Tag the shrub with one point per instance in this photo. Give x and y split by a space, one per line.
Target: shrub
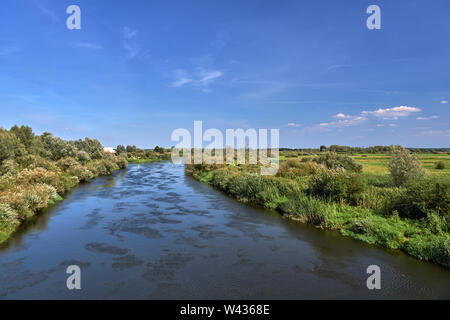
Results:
7 214
37 175
422 197
293 168
337 185
404 166
333 160
431 248
440 165
306 209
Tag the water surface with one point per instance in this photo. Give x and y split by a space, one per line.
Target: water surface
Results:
150 232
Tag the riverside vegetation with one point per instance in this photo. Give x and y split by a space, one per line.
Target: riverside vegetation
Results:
37 170
385 199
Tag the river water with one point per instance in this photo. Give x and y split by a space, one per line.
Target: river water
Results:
150 232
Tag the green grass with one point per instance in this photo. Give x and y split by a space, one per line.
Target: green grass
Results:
372 220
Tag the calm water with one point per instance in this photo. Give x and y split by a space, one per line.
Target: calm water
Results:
152 233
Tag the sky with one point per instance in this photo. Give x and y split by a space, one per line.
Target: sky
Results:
137 70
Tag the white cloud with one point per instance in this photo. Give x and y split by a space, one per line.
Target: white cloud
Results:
87 45
209 76
392 113
201 79
437 133
380 125
342 116
353 120
129 33
180 78
131 49
293 124
428 118
444 101
49 13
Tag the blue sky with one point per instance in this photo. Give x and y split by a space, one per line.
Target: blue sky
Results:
137 70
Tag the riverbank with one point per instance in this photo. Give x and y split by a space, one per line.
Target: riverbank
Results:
37 170
11 220
417 238
150 232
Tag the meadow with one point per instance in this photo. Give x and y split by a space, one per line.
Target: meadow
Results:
397 200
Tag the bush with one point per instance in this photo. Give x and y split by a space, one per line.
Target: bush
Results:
306 209
430 248
294 168
337 185
422 197
333 160
7 214
404 166
440 165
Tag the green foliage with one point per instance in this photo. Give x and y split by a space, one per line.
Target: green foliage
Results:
404 166
333 160
35 170
422 197
413 217
337 185
24 134
440 165
10 146
430 248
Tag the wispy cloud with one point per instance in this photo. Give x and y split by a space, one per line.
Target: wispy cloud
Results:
293 124
49 13
132 50
7 50
445 133
428 118
200 78
87 45
347 122
392 113
342 116
444 101
129 33
131 46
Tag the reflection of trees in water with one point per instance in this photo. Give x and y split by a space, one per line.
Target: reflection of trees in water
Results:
40 221
36 223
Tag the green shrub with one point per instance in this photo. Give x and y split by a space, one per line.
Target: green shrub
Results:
337 185
430 248
404 166
7 214
440 165
333 160
422 197
306 209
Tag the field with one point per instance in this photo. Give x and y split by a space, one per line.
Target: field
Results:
375 166
353 193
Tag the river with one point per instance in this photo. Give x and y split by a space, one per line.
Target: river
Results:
150 232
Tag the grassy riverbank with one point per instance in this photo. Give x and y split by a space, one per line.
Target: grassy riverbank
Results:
36 171
358 203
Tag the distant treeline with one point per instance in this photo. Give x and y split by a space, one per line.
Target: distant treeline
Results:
374 149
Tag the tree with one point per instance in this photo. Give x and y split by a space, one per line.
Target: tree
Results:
25 135
120 149
10 146
158 149
404 166
323 148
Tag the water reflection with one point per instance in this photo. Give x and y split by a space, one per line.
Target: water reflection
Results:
152 232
